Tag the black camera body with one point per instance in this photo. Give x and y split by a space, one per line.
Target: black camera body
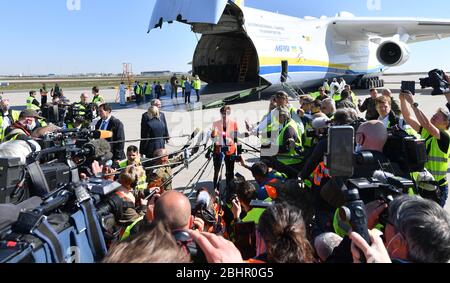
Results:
341 160
354 213
185 241
405 150
68 226
437 80
55 113
81 116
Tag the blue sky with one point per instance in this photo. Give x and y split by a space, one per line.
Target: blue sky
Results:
41 37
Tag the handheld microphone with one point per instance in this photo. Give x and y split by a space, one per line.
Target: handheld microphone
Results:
195 133
203 199
186 157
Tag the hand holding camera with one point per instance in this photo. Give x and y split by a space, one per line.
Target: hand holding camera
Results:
216 249
406 95
236 209
375 253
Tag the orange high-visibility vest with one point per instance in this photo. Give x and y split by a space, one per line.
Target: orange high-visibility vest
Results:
319 173
231 129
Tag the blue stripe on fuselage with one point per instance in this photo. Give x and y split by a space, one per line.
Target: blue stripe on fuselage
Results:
267 70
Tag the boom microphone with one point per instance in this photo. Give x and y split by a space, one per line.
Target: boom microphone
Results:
321 123
203 199
98 149
195 133
382 176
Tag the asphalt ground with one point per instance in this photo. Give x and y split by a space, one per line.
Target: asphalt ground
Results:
182 122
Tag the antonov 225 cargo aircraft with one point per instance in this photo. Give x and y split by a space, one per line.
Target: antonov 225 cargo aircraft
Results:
244 50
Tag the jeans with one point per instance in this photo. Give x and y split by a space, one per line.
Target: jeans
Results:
187 97
197 91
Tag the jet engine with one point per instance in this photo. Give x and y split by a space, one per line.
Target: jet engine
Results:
393 53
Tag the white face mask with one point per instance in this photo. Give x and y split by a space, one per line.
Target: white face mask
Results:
358 147
391 253
109 163
31 126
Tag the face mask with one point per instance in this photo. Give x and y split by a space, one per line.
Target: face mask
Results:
109 163
31 126
391 254
358 148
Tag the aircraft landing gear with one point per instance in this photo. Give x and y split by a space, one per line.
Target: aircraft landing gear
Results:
368 83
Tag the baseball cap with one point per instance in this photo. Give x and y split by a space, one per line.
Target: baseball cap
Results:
446 112
283 110
30 113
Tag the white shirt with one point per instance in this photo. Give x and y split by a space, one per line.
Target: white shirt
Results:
342 85
385 121
332 86
401 123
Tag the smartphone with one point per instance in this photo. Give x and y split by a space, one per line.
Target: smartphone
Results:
409 85
339 159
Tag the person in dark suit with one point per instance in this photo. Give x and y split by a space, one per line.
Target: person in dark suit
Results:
152 127
110 123
162 117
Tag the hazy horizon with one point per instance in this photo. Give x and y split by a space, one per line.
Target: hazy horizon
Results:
97 36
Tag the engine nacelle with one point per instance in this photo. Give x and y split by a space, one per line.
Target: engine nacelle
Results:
393 53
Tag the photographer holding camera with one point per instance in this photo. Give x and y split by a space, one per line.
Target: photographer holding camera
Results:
23 128
82 113
417 231
436 134
7 116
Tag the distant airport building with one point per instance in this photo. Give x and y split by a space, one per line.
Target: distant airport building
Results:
156 74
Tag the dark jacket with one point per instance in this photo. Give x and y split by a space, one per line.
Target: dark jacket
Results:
369 106
162 117
345 103
152 128
115 126
395 107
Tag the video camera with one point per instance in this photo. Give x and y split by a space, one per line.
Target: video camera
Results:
437 80
26 172
55 114
67 225
407 151
80 114
340 161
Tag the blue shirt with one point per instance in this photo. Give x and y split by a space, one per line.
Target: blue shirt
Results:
104 124
187 86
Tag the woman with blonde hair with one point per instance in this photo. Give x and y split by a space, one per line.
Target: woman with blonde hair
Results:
152 128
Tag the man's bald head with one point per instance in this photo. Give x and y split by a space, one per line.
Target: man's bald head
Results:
174 209
386 92
372 135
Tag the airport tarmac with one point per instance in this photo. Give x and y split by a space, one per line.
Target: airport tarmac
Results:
181 122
